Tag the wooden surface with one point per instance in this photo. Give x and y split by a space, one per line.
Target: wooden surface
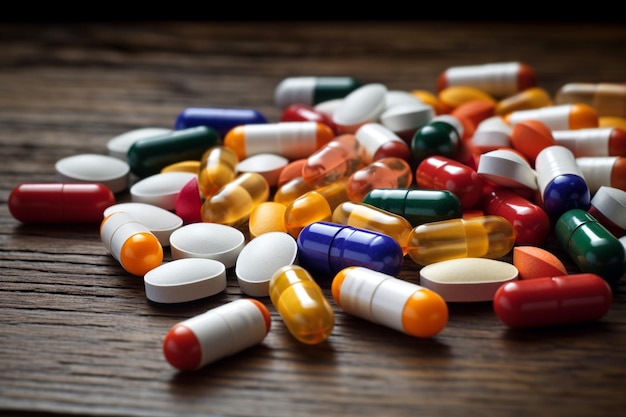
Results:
77 334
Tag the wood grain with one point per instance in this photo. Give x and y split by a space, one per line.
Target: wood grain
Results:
77 334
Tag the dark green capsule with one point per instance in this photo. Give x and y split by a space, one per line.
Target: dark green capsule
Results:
439 137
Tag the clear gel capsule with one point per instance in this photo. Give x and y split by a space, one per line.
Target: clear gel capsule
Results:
339 158
293 189
389 301
301 303
216 334
487 236
221 120
313 90
218 167
391 172
608 99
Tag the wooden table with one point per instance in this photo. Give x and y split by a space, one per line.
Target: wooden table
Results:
77 334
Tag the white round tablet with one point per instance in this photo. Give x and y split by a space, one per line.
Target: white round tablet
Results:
261 258
207 240
507 168
159 221
363 105
105 169
160 189
467 279
184 280
267 164
407 116
119 145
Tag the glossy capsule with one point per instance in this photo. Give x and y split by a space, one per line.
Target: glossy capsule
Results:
131 243
608 99
391 172
590 245
381 142
218 167
609 171
530 98
608 207
293 189
148 156
389 301
306 113
339 158
301 304
219 119
487 236
441 136
598 141
312 90
59 202
498 79
552 301
558 117
216 334
232 204
325 248
293 140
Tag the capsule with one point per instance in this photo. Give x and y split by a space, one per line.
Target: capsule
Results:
325 248
293 189
442 173
590 245
603 170
216 334
441 137
60 203
560 181
148 156
218 167
608 207
452 97
598 141
417 206
381 142
530 222
313 90
405 118
531 98
131 243
497 79
553 301
558 117
267 216
219 119
301 304
608 99
366 216
306 113
391 172
487 236
491 134
389 301
339 158
232 204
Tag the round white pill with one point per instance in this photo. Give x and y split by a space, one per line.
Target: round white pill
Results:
159 221
160 189
407 116
507 168
118 146
105 169
261 258
467 279
363 105
267 164
207 240
184 280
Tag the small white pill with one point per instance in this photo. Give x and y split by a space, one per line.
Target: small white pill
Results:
207 240
105 169
507 168
363 105
159 221
267 164
118 146
160 189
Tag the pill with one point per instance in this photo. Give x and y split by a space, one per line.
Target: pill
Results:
150 155
301 304
487 236
183 166
608 99
553 301
325 248
530 137
304 113
498 79
159 221
328 108
131 243
608 207
363 105
219 119
118 146
405 118
188 202
381 142
60 203
267 216
530 98
590 245
507 168
108 170
184 280
474 111
467 279
218 167
535 262
260 258
609 171
160 189
598 141
312 90
400 97
612 121
560 181
558 117
452 97
292 170
390 172
296 187
441 136
415 205
491 134
266 164
389 301
207 240
216 334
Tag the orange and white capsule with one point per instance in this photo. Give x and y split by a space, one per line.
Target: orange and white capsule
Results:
603 170
218 333
558 117
390 301
293 140
596 141
608 99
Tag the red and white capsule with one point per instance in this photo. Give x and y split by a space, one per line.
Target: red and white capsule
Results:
599 141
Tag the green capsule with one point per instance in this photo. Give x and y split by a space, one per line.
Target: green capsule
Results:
441 136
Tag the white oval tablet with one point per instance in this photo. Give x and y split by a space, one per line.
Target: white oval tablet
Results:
105 169
159 221
467 279
507 168
267 164
160 189
119 145
261 258
407 116
363 105
185 280
207 240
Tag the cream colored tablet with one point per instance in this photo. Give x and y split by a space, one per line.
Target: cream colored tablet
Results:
207 240
119 145
184 280
160 189
267 164
507 168
159 221
105 169
467 279
363 105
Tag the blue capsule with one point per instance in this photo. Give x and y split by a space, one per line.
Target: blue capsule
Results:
221 120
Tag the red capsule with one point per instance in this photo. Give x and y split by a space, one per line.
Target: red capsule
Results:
304 113
551 301
60 202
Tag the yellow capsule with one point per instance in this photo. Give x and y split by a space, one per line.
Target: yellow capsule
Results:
531 98
183 166
292 189
452 97
268 216
429 98
218 167
611 121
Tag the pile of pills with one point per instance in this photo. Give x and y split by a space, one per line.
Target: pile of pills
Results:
351 180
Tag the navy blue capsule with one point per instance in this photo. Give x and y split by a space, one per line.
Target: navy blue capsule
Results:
221 120
325 248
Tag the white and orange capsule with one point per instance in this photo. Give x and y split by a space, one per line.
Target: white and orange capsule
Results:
558 117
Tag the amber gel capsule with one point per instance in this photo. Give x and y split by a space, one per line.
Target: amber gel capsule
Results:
391 172
301 303
475 237
218 167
